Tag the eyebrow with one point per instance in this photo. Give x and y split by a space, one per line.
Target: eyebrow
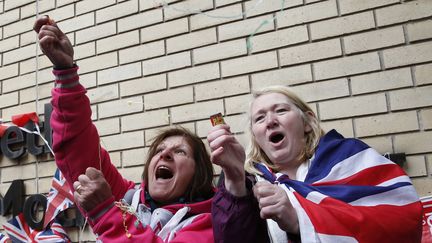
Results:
272 107
183 146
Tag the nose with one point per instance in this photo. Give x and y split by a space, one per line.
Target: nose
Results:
166 155
271 120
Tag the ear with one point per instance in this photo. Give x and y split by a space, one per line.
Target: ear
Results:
309 116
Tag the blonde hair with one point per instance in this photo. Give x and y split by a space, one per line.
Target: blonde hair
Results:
256 154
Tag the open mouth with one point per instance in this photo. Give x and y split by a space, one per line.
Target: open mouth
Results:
163 172
276 138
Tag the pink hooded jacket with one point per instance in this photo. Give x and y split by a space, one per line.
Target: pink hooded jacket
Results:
76 147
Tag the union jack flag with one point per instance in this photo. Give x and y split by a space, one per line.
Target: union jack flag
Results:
4 238
59 198
352 194
18 231
55 233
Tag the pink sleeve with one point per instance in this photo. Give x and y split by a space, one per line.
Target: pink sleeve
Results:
75 138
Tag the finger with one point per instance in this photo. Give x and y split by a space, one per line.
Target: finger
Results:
93 173
265 185
269 201
83 179
218 131
263 189
53 29
46 45
215 155
224 140
46 37
44 20
75 185
268 212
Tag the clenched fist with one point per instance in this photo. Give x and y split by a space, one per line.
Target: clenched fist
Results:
91 189
54 43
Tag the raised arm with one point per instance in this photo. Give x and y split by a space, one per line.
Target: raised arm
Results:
229 154
75 139
235 211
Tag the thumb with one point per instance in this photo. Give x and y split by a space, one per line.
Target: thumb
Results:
40 22
93 173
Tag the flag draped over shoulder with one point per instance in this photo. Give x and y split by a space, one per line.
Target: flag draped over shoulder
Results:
352 194
59 197
4 238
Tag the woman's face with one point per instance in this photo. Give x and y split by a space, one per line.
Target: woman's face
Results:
278 129
171 169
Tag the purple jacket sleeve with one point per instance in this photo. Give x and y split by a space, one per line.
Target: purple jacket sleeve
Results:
237 219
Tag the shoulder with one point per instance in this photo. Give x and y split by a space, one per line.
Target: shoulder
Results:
333 141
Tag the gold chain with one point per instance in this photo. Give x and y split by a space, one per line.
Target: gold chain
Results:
126 209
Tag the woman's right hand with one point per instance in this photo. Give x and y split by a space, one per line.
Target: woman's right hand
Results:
229 154
54 43
91 189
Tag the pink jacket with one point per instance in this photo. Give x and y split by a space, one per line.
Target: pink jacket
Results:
76 147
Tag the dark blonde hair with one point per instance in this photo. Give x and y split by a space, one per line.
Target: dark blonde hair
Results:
201 186
256 154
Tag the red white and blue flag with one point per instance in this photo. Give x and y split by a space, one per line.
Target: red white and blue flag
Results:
60 197
18 231
4 238
55 233
352 194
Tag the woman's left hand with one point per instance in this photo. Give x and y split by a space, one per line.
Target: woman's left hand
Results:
91 189
274 204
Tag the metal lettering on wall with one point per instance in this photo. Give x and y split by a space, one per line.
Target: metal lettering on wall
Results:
14 200
14 144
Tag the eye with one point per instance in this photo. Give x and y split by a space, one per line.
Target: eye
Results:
180 151
258 119
158 150
281 110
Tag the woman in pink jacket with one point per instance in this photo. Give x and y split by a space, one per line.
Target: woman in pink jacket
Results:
173 202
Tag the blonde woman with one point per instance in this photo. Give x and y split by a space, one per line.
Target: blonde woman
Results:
303 185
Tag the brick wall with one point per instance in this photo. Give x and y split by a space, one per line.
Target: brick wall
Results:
364 66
